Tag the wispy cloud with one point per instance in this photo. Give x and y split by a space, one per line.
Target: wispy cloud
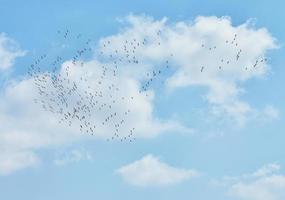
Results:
14 161
73 156
266 183
9 51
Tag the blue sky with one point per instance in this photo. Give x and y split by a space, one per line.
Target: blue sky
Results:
202 155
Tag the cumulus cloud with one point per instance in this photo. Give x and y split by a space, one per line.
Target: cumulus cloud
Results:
25 127
9 51
210 43
266 183
150 171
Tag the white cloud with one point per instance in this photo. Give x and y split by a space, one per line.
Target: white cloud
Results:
266 188
266 183
267 170
270 112
14 161
150 171
25 127
185 40
9 51
74 155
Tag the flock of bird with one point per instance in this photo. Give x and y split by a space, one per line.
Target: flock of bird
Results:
91 105
231 44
